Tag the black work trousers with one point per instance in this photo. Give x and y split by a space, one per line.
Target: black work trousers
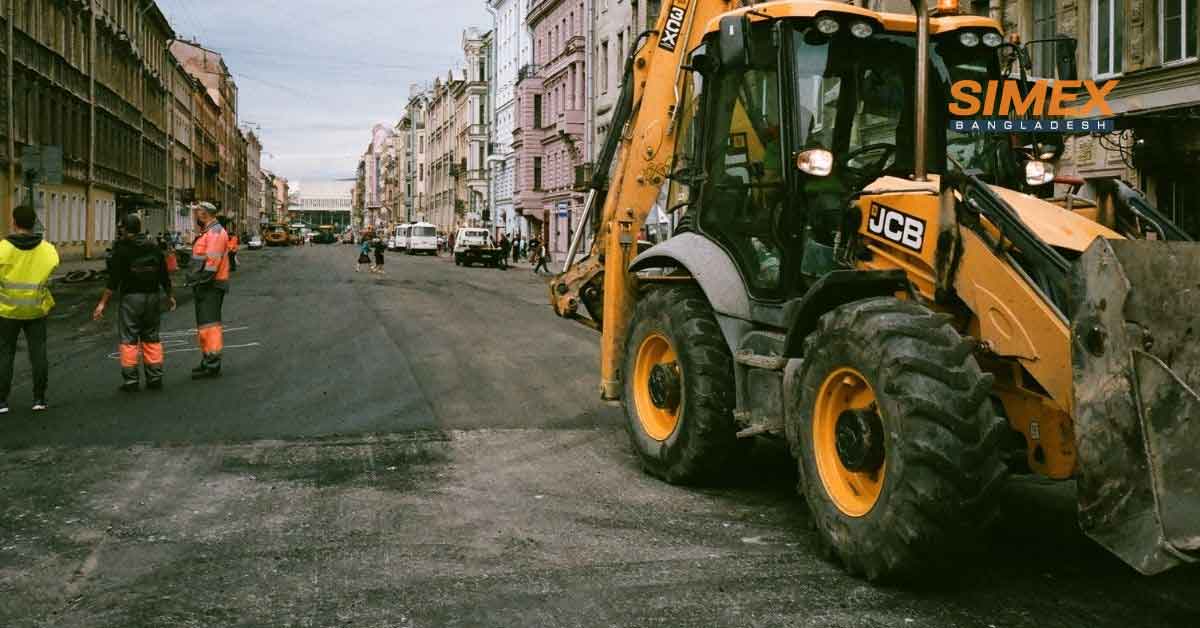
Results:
35 337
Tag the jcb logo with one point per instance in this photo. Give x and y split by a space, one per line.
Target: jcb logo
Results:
670 34
897 226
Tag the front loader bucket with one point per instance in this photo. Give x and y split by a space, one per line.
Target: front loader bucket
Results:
1136 353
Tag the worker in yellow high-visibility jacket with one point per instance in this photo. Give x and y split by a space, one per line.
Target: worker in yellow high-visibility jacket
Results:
26 262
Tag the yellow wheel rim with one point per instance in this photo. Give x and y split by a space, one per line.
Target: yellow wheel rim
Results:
853 490
657 411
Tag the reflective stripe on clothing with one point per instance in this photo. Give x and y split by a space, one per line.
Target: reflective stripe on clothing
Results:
15 285
209 252
211 338
129 355
152 352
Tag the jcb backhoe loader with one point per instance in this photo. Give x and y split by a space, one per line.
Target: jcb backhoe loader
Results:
851 274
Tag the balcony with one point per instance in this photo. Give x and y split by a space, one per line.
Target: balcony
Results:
527 71
477 129
570 122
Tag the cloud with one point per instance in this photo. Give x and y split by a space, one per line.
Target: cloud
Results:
316 75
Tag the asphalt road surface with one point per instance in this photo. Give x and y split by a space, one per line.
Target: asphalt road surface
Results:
427 448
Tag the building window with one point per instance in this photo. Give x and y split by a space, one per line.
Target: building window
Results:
1108 22
1044 27
1177 30
603 67
537 174
620 60
537 111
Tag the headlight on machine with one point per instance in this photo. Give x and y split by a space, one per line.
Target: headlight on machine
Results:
968 39
992 39
815 161
1038 172
827 25
862 29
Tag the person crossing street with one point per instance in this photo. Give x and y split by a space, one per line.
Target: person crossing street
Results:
26 262
209 279
138 272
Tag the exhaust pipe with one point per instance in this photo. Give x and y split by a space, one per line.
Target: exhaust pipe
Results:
921 109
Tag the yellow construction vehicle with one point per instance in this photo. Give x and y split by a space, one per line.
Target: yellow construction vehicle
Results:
276 234
854 276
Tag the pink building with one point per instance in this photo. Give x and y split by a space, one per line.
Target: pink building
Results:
549 126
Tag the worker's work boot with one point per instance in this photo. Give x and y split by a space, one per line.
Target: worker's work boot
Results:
129 386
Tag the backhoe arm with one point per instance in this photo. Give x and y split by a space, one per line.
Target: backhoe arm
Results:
647 120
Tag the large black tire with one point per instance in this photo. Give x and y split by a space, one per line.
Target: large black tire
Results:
704 439
941 462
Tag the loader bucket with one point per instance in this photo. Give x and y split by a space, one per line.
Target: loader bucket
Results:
1135 350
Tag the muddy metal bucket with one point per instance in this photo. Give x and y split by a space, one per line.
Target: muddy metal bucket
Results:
1136 357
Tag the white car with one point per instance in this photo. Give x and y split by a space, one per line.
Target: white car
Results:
422 238
255 243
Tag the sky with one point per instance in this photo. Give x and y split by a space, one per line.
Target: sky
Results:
314 76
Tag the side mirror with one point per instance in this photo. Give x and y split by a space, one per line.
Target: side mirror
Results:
733 44
1064 58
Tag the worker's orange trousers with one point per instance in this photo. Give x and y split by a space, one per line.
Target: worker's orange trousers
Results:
138 320
209 333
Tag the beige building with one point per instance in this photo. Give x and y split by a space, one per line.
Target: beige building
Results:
444 166
114 147
208 67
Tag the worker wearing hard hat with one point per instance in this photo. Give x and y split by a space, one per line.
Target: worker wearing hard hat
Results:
209 278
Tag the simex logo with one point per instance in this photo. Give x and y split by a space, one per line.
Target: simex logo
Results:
897 226
670 35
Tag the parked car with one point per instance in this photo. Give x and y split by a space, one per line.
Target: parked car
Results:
475 246
255 243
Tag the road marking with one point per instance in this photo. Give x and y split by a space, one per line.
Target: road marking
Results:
115 355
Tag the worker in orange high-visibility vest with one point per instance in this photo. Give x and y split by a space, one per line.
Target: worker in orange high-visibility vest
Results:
209 279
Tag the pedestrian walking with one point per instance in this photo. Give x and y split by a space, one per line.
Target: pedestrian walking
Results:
379 248
209 279
139 271
516 249
543 260
26 262
534 248
505 247
364 254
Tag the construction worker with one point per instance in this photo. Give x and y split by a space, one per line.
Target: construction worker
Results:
26 262
209 278
137 272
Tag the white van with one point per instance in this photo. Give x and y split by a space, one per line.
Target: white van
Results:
422 238
402 236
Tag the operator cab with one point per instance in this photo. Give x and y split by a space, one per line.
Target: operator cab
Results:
791 118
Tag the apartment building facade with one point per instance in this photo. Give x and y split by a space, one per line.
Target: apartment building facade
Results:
511 52
548 135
